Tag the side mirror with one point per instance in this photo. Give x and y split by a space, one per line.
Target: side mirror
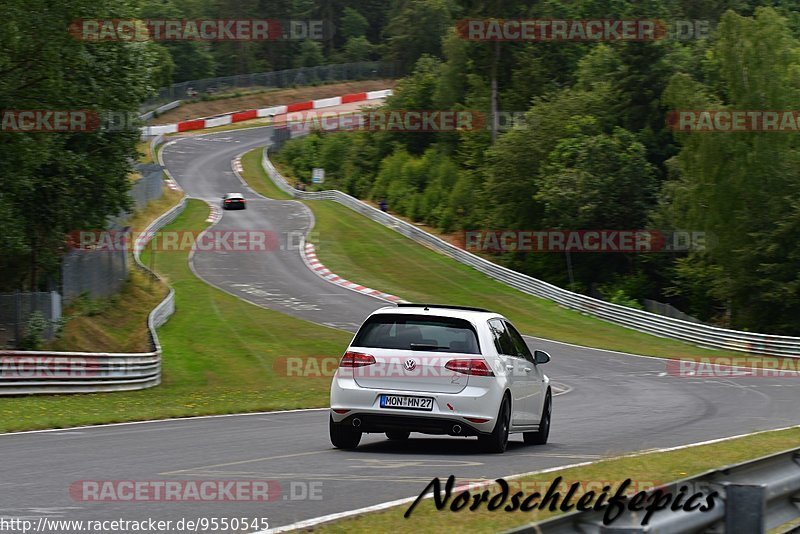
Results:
540 357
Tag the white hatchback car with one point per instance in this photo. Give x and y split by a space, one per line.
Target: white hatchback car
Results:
447 370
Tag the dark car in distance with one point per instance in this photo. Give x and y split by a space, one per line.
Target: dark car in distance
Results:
234 201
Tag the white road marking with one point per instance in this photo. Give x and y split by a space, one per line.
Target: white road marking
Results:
378 463
150 421
264 459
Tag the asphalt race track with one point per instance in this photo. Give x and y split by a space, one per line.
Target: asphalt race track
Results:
278 279
617 403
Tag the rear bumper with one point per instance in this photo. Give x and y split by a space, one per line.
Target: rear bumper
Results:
480 399
376 423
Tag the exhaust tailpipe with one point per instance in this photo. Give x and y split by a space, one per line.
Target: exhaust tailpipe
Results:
356 422
456 429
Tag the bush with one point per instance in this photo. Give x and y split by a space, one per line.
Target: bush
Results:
623 299
34 331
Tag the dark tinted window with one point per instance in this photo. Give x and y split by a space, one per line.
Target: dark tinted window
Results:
418 332
519 343
502 341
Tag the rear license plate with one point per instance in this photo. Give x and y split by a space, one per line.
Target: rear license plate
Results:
407 403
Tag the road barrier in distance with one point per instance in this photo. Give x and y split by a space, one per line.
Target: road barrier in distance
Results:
246 115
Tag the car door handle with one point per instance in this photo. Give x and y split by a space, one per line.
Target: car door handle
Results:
528 369
509 367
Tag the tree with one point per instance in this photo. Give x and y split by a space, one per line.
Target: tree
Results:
593 180
514 164
189 60
356 49
416 28
415 92
310 54
76 180
353 24
741 188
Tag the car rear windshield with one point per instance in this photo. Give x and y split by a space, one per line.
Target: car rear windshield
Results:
418 332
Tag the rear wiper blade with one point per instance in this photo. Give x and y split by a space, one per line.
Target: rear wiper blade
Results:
423 346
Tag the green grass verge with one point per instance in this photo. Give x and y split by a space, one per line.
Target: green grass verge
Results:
257 178
370 254
221 355
143 149
113 324
645 470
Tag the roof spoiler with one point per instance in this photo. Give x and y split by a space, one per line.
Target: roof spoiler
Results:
445 306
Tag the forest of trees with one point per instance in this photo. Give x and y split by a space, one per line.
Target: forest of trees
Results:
355 30
53 183
595 151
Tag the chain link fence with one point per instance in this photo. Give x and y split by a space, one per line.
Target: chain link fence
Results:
279 138
149 186
363 70
668 310
16 310
97 272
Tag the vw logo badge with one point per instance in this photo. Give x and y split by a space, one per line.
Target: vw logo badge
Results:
410 365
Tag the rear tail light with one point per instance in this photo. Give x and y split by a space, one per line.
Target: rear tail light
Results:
356 359
227 202
476 367
476 419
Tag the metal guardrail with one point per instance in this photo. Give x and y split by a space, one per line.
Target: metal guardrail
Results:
159 110
697 334
43 372
753 497
361 70
154 142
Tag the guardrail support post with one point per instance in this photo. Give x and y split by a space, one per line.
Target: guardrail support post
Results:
745 508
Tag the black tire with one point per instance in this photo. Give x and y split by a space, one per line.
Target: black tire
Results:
497 441
343 436
540 436
398 435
